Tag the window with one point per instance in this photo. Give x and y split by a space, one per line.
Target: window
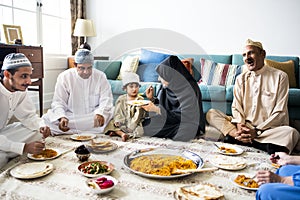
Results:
43 22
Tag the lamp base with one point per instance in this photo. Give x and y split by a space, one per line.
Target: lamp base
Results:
85 46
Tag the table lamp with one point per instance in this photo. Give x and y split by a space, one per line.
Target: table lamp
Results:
84 28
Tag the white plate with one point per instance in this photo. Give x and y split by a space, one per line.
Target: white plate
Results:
138 102
198 191
31 156
32 170
83 136
97 189
228 162
151 151
110 168
241 186
238 150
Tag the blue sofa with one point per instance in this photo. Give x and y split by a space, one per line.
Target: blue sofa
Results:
219 97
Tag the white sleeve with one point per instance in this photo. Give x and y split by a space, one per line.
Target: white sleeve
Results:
10 146
105 107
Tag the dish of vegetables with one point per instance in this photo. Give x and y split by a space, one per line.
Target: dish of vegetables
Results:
95 168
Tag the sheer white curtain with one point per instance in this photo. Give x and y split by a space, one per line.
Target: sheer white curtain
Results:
43 22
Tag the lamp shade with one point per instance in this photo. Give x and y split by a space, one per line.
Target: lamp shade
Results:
84 28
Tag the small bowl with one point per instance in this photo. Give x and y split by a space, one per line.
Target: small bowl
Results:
82 153
83 157
95 188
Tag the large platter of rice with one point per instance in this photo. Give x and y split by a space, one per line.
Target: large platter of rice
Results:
160 162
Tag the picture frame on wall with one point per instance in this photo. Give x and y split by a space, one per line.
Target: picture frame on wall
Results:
13 34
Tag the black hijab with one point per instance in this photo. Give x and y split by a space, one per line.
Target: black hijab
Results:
181 100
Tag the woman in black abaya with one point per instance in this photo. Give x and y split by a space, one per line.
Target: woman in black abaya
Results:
178 113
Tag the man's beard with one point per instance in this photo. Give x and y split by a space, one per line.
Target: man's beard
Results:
16 89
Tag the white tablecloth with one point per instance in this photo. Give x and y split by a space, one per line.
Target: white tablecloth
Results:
65 182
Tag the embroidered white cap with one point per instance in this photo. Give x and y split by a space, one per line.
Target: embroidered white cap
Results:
130 77
15 60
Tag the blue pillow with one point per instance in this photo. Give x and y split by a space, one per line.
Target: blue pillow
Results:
147 72
148 62
148 56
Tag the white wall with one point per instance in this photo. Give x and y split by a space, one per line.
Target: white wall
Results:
54 64
216 26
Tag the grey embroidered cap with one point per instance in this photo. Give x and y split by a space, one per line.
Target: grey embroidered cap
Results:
83 56
15 60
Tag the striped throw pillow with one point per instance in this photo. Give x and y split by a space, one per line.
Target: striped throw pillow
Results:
213 73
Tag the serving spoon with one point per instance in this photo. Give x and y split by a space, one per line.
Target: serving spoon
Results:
186 171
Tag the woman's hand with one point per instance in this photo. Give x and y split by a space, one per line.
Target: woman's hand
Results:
149 92
151 107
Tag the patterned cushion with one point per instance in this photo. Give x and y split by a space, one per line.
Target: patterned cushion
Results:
129 64
213 73
287 67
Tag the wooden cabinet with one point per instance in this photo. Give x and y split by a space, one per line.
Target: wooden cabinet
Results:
35 55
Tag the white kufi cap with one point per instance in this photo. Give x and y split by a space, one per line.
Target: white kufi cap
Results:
130 77
15 60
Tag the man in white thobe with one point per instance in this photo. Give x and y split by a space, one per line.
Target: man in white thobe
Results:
82 99
259 108
19 137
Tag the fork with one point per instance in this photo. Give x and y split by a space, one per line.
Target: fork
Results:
224 151
250 179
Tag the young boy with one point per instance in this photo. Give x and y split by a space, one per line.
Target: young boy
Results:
127 121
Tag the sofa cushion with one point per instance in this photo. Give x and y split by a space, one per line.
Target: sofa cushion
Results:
188 63
147 72
213 73
212 92
148 56
129 64
148 62
110 68
287 67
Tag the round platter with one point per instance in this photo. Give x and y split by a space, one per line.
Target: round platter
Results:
138 102
228 162
161 151
92 175
42 157
95 146
228 148
241 186
83 136
32 170
198 191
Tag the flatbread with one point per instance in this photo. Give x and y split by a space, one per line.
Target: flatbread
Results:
228 162
198 192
